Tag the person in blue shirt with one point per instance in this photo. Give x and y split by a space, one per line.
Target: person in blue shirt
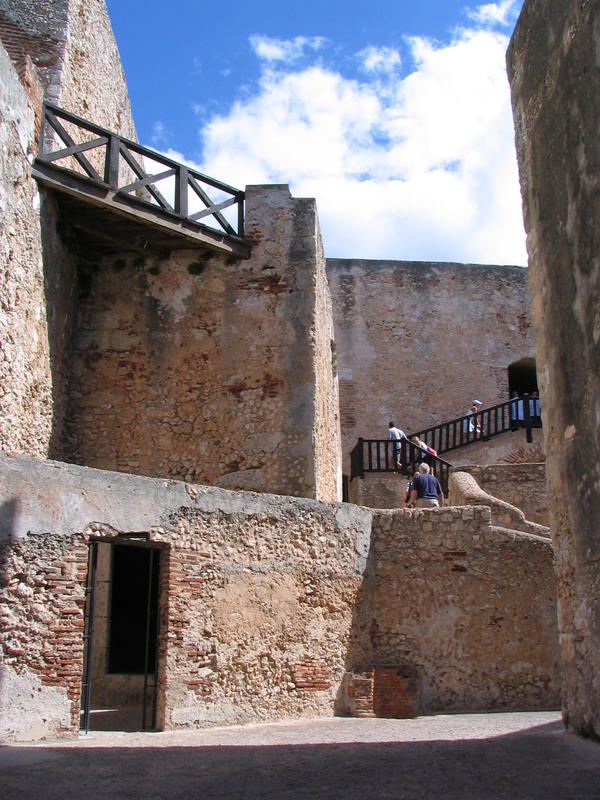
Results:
426 489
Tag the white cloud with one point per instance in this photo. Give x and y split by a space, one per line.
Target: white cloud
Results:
503 13
160 134
420 167
287 50
379 59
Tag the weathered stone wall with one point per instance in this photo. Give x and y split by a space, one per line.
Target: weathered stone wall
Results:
456 600
553 65
328 441
379 490
25 382
417 342
464 490
522 485
268 602
200 368
72 46
510 447
74 53
41 630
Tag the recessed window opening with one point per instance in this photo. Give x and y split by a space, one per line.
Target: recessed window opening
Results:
133 610
522 377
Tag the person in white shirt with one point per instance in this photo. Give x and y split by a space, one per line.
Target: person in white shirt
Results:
396 434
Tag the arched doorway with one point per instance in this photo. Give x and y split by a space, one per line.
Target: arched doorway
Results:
522 377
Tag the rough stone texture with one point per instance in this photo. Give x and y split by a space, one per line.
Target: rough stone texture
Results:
457 599
379 490
267 602
554 67
25 384
199 368
328 440
465 491
416 342
522 485
511 447
72 45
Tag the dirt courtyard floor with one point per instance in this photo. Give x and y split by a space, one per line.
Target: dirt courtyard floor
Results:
466 756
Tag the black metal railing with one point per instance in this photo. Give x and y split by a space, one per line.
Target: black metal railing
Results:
133 173
395 455
510 415
402 455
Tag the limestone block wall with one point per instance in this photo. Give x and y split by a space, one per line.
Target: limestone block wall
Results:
267 603
192 366
25 379
522 485
553 61
417 342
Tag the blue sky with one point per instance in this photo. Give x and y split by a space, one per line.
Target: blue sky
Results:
395 115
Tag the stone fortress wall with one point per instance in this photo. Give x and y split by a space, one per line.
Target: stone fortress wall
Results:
63 50
74 326
417 342
553 63
269 604
210 369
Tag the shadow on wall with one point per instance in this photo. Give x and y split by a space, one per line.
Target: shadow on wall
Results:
454 615
533 762
60 289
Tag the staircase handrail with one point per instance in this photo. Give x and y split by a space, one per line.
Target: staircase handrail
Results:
493 420
383 455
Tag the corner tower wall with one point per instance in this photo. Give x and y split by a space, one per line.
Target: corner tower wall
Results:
62 50
194 366
554 69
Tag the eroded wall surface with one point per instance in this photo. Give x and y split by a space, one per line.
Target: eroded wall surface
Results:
417 342
25 380
554 65
209 369
64 51
72 46
267 602
457 598
522 485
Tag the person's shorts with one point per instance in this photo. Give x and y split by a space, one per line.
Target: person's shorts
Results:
427 502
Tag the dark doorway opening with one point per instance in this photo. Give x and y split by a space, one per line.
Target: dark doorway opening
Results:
133 610
522 377
121 633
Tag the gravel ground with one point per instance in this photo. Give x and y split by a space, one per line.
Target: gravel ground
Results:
466 756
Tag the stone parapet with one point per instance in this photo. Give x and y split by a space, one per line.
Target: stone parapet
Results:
521 484
465 490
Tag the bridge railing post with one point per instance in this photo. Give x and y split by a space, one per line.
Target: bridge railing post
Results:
111 161
181 191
